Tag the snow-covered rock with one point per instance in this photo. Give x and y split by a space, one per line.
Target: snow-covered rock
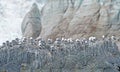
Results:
31 25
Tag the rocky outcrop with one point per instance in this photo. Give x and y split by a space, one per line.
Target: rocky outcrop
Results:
60 56
31 25
80 18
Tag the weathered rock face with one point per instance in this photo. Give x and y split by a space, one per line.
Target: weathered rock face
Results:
78 18
31 25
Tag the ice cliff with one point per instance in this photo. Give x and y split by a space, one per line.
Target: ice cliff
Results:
77 18
80 18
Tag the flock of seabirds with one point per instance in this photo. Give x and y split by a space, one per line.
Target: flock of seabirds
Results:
55 52
59 41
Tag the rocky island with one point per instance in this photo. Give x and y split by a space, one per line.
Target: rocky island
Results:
66 36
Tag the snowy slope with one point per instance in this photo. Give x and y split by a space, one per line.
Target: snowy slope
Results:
11 15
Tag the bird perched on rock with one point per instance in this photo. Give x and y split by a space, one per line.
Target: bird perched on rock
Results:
7 43
57 42
70 40
14 42
49 41
113 37
11 44
42 44
77 41
32 42
3 45
103 37
92 39
24 40
17 41
31 25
